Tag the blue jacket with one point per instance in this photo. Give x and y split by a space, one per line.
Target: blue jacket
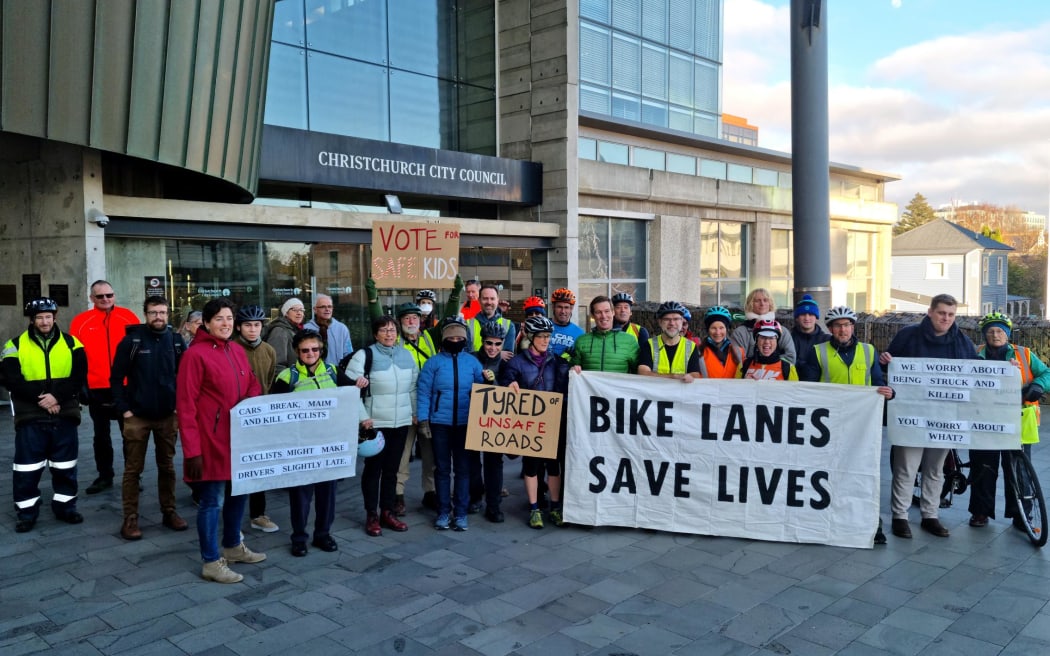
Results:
443 391
918 341
521 368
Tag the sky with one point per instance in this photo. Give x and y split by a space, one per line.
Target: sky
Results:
953 96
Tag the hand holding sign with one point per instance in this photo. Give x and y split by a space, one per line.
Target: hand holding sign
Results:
408 254
512 421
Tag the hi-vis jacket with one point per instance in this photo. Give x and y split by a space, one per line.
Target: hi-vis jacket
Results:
34 364
100 332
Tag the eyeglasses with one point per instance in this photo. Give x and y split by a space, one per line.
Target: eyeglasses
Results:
157 313
491 343
323 307
315 349
101 296
387 329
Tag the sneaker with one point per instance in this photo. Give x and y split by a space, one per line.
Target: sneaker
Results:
978 521
100 484
264 524
441 523
220 572
130 530
536 519
460 524
474 508
556 517
242 554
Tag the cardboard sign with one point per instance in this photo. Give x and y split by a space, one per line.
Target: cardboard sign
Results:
414 255
969 404
283 440
524 423
784 461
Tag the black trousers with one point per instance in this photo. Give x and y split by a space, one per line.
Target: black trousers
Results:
299 501
103 412
379 478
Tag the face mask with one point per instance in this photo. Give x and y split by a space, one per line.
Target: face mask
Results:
453 346
426 307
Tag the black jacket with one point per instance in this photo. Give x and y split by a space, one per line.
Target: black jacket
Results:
149 361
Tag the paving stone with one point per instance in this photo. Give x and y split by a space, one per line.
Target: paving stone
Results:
800 601
555 644
894 640
514 633
678 591
558 561
911 576
790 643
540 592
598 630
398 646
760 624
640 610
852 571
209 635
953 644
576 606
880 594
139 635
917 621
1038 628
1024 645
985 627
857 611
651 639
716 644
828 631
445 630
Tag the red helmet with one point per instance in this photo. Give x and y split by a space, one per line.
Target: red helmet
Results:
767 328
563 295
534 302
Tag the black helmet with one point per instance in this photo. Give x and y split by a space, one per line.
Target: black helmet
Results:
622 297
671 307
427 294
538 324
249 313
38 305
305 334
494 330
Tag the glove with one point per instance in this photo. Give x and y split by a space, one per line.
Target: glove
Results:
488 375
1032 392
457 284
423 430
370 288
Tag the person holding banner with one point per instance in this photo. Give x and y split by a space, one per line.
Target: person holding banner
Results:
391 406
936 336
757 307
214 375
536 368
1035 378
310 372
719 356
563 301
768 362
604 348
442 408
668 354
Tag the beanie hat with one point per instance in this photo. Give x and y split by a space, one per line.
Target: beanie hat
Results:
997 324
291 303
454 329
807 306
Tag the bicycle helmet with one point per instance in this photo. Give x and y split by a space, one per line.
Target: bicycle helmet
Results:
535 304
370 442
996 319
767 328
563 295
670 307
305 334
537 324
622 297
249 313
38 305
718 313
427 294
407 308
494 330
841 312
686 314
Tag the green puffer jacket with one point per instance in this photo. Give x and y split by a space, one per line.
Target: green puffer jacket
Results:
613 351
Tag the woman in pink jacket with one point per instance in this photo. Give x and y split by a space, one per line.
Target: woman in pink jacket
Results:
214 375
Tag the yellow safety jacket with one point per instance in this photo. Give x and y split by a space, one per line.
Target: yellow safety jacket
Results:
421 349
661 364
833 368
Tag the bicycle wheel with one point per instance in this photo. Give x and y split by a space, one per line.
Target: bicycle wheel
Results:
1028 495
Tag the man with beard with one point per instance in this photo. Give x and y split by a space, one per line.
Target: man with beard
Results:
668 355
565 334
489 315
334 332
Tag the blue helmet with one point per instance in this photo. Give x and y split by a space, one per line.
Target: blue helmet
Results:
370 442
718 313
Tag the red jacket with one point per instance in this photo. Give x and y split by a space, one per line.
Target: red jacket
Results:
214 375
100 332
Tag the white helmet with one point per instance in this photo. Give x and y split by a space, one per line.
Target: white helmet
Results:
841 312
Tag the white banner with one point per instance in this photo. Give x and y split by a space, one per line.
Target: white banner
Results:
282 440
968 404
784 461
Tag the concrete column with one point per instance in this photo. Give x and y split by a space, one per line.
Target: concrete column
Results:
673 276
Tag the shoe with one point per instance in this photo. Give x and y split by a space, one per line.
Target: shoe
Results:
399 505
130 529
327 543
72 517
900 528
372 527
504 492
441 523
220 572
495 516
174 522
556 517
474 508
242 554
299 549
264 524
430 501
460 524
933 525
978 521
536 519
25 525
99 484
390 520
880 537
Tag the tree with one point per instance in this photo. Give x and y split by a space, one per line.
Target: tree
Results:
915 214
1027 276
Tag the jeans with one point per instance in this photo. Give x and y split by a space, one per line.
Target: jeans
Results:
136 442
379 477
215 502
450 454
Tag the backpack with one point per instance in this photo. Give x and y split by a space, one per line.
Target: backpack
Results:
345 362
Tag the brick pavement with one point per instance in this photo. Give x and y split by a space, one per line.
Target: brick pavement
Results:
507 589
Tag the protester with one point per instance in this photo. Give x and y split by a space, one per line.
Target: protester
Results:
472 305
537 368
487 481
759 306
311 372
391 374
996 328
768 362
248 325
719 356
44 370
143 385
214 375
623 305
489 315
935 337
563 302
100 329
604 348
807 333
532 306
442 408
280 332
668 354
190 325
426 299
334 332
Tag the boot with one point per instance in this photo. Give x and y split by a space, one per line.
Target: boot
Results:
130 529
372 527
390 520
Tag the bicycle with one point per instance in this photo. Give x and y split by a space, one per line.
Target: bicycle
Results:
1023 490
955 481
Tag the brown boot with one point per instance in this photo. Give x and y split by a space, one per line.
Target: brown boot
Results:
390 520
372 527
130 529
174 522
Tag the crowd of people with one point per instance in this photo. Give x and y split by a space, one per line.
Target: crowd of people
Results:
415 380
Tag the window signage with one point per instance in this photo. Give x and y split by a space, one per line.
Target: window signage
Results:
329 160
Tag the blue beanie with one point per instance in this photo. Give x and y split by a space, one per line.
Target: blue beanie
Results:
807 306
997 324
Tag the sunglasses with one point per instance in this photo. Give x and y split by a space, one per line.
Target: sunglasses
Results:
316 349
104 295
491 343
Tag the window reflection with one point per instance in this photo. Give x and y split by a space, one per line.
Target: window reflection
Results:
286 87
347 27
332 109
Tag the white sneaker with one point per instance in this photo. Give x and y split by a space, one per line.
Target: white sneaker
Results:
265 524
242 554
220 572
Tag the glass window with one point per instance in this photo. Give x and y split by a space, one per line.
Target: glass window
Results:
627 244
594 54
286 87
626 63
626 107
999 269
654 20
680 80
705 125
859 273
708 28
705 87
613 153
984 270
594 248
420 110
588 148
784 180
416 42
350 29
654 71
723 258
781 267
765 177
654 113
627 15
935 270
596 9
288 24
712 169
739 173
613 257
363 114
593 99
680 119
681 164
681 31
647 158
